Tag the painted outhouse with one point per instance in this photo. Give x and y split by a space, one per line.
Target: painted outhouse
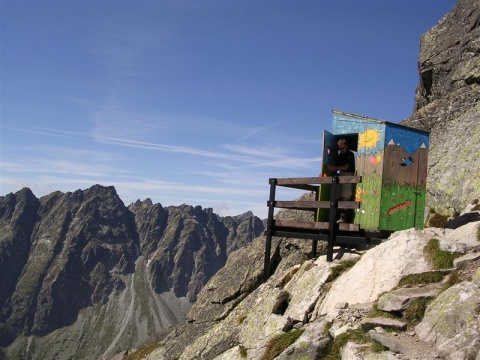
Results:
392 161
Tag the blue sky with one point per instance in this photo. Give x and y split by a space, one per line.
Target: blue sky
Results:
195 102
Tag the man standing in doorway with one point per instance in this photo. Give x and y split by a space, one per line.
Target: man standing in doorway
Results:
344 165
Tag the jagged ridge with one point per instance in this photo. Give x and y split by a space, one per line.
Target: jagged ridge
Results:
81 268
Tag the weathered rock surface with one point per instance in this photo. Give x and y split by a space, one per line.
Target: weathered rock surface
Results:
368 323
374 274
399 300
447 103
408 346
452 321
240 324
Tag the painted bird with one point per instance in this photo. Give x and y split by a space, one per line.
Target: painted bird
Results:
407 161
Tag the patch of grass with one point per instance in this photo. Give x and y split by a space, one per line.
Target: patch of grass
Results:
376 312
327 328
416 310
241 319
452 279
141 352
279 343
478 233
437 220
376 347
430 277
438 258
243 351
325 288
337 270
356 336
476 202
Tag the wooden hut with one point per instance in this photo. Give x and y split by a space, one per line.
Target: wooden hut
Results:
392 162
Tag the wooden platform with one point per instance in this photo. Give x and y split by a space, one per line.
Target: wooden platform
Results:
331 231
313 225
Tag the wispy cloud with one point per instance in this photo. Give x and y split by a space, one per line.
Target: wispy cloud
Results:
114 122
39 130
121 44
38 166
233 156
228 176
256 131
167 148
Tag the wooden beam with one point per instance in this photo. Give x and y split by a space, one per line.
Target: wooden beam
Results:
311 225
304 181
300 235
342 179
302 204
314 225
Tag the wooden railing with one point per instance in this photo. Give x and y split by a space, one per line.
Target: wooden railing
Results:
314 230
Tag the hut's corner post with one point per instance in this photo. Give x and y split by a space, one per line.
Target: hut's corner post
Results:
332 218
268 233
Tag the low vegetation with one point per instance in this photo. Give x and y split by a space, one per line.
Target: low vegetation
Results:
476 204
452 279
436 220
416 310
279 343
141 353
376 312
241 318
438 258
430 277
243 352
337 270
356 336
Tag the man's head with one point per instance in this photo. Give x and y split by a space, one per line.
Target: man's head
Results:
342 145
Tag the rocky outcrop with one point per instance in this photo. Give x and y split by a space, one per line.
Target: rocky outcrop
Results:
452 321
239 316
81 269
447 103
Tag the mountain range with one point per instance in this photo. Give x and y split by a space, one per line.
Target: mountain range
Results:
80 268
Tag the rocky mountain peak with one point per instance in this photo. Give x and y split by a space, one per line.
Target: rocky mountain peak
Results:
449 57
447 103
82 265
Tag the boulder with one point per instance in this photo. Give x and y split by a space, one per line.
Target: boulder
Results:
374 274
452 321
400 299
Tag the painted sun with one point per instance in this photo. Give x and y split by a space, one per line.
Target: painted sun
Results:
369 138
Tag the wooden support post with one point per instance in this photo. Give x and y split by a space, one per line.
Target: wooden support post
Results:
332 219
268 237
315 241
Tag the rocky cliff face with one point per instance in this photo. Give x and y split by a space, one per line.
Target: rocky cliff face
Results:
447 103
81 268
